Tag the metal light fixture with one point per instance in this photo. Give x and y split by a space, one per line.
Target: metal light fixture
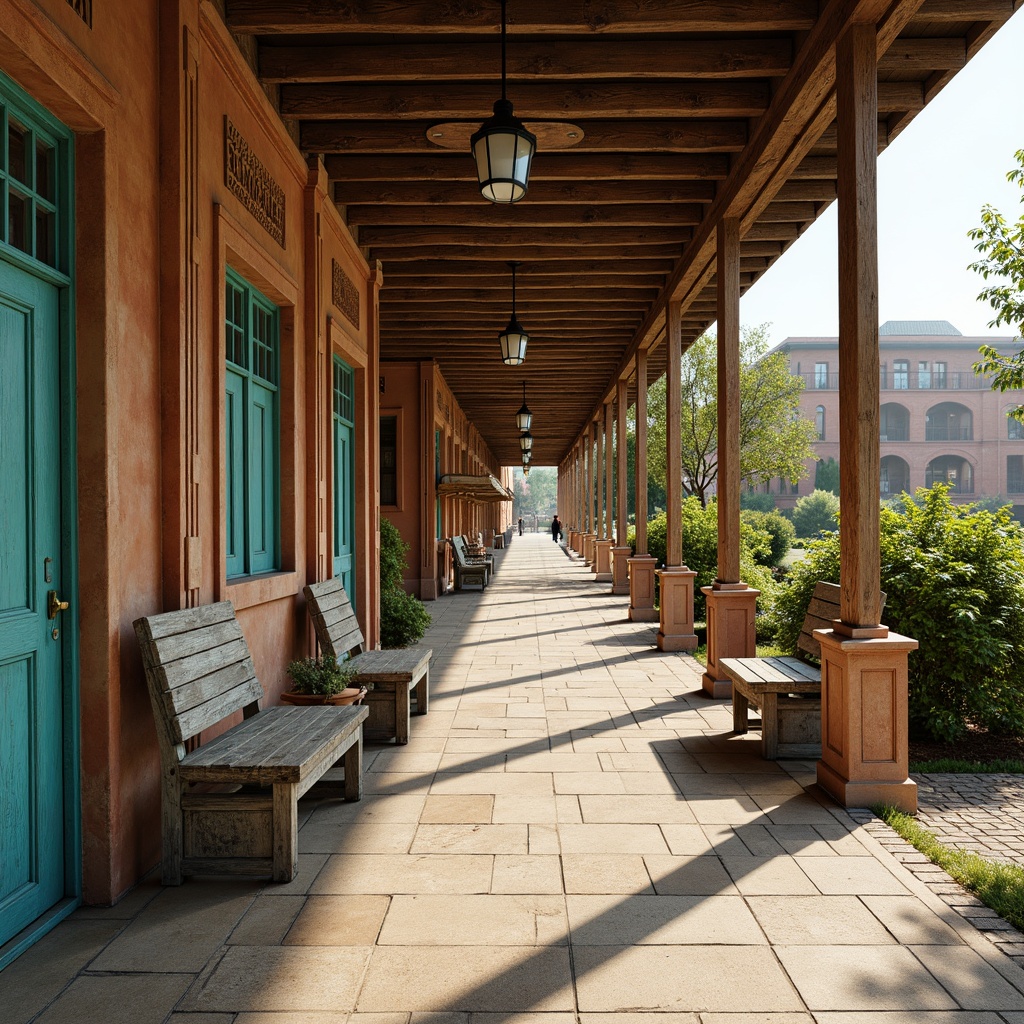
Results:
503 148
526 441
526 469
524 416
514 338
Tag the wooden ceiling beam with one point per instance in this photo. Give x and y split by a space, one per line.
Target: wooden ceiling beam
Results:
500 291
819 190
907 55
528 17
566 238
522 215
557 166
676 136
526 252
545 270
574 283
740 56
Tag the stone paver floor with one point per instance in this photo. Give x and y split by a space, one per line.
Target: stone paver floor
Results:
572 835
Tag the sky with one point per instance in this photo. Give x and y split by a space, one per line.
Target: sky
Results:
933 180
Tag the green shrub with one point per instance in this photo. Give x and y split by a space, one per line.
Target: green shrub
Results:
403 618
757 501
954 579
814 513
779 529
826 476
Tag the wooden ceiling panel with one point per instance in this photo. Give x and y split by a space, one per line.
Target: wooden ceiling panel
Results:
690 111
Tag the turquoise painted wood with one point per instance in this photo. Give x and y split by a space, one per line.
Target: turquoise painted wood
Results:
344 476
32 742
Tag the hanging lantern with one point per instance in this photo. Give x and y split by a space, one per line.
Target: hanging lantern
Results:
524 417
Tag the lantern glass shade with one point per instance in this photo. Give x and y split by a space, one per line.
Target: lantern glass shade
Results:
526 441
524 417
513 342
503 150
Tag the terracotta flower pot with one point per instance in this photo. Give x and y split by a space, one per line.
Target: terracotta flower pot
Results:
352 695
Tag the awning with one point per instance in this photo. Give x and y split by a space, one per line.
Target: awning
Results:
475 488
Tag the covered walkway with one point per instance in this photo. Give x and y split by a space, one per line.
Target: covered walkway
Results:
571 833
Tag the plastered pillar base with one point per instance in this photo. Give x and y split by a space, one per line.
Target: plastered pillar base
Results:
641 589
620 570
603 563
731 632
574 540
588 547
864 757
676 633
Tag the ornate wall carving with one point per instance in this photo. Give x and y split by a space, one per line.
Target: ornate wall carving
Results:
345 295
252 183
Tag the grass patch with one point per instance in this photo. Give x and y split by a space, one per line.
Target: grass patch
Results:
960 766
999 886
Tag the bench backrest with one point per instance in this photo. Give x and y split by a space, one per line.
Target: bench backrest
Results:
460 551
198 669
823 609
334 618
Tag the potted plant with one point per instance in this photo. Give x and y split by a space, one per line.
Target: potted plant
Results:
322 681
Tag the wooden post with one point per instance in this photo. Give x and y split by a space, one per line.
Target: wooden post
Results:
641 565
731 604
621 551
603 545
863 666
676 581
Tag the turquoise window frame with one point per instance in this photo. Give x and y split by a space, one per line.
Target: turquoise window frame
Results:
252 353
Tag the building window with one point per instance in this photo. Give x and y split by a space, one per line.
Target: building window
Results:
252 466
1014 429
1015 474
389 460
924 376
939 375
819 422
821 375
901 374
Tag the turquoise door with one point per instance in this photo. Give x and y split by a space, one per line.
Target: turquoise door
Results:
344 476
32 728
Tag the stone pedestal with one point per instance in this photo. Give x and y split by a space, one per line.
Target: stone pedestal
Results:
731 633
588 547
603 561
574 540
676 600
864 757
620 570
641 589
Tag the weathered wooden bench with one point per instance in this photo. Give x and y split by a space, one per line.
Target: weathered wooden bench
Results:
467 574
230 806
787 690
394 674
475 554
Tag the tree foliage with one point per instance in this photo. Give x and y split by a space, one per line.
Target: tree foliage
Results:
403 617
814 513
1001 245
826 476
774 440
954 580
536 494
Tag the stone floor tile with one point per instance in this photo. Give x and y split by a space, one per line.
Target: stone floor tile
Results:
768 876
212 1018
567 809
351 920
384 874
515 784
356 837
635 809
792 810
626 1017
702 785
858 876
689 876
971 980
403 760
814 920
500 979
862 978
544 839
396 783
687 840
267 921
282 978
605 873
910 921
588 782
914 1017
560 761
682 978
475 921
635 919
511 1018
323 1017
382 810
757 1018
730 810
445 809
527 873
612 839
524 809
463 838
459 763
117 999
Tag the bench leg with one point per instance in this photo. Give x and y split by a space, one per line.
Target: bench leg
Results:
770 726
286 830
401 713
173 829
739 710
354 769
423 694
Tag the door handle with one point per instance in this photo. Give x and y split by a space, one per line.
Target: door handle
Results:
54 605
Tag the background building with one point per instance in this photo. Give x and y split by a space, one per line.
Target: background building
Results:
938 421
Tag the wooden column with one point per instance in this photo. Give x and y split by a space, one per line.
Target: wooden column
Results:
605 544
641 565
599 527
863 666
621 550
676 581
592 534
731 604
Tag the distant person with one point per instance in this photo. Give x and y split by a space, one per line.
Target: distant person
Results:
556 529
520 526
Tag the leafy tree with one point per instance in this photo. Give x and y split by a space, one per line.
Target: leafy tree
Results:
1002 248
536 494
815 512
826 476
779 530
757 501
774 440
655 490
954 580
